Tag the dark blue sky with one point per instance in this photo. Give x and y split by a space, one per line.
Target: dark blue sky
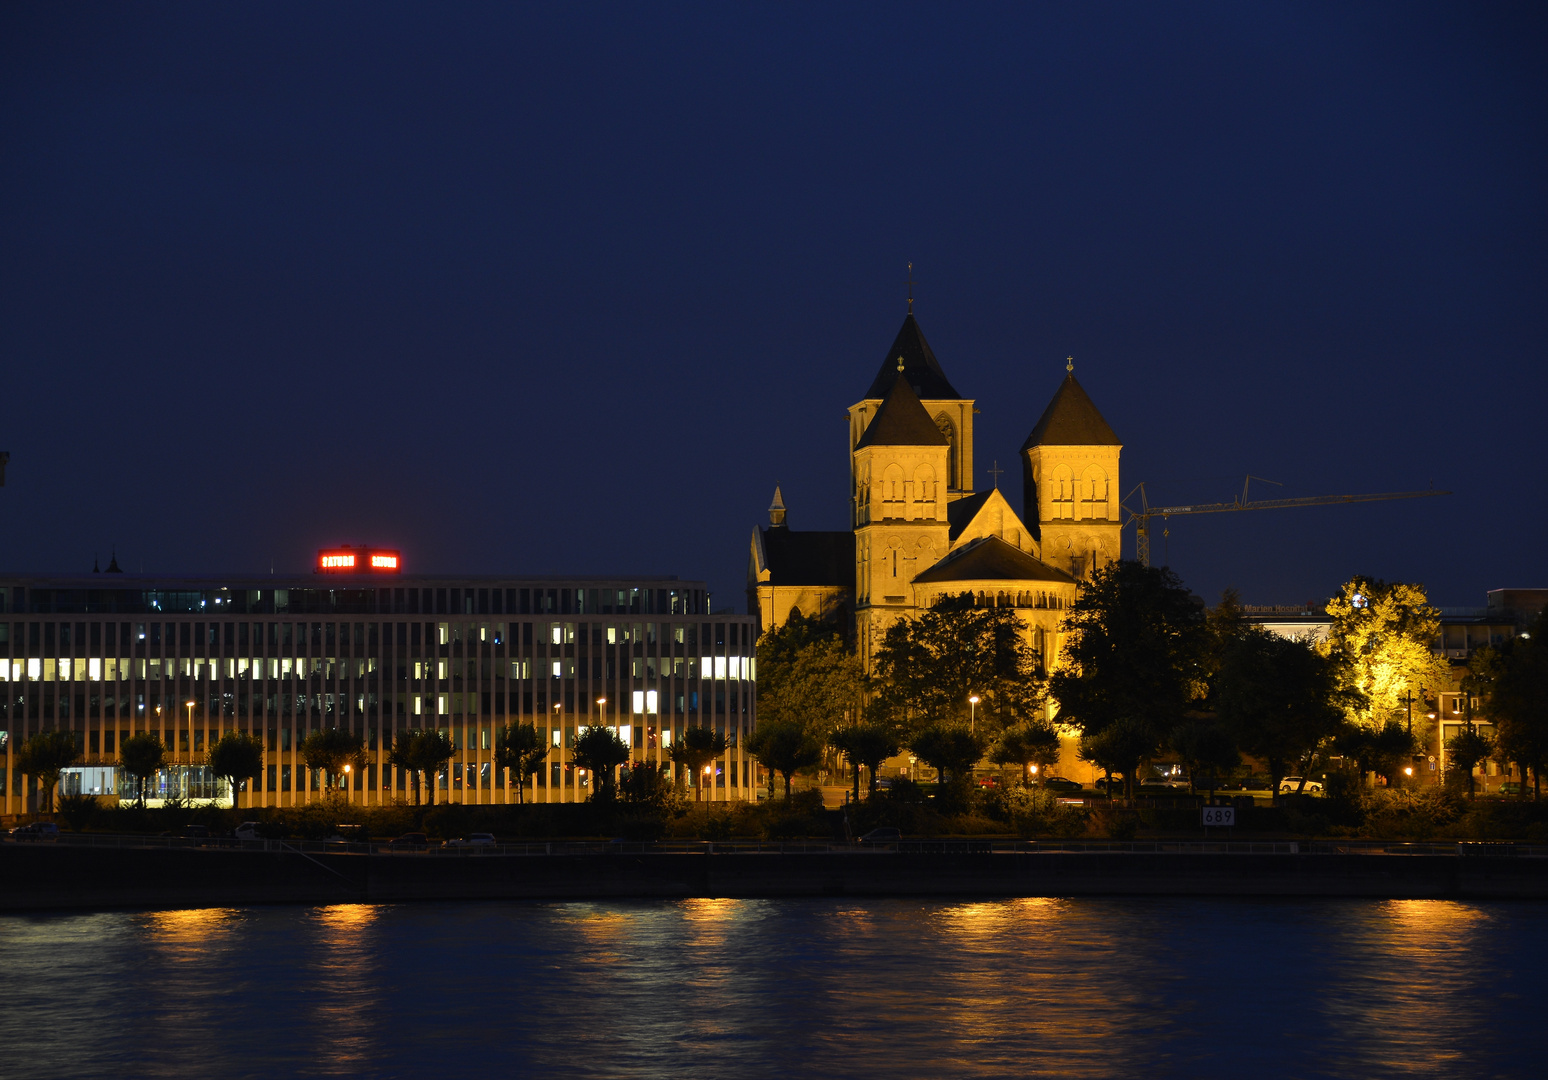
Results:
569 289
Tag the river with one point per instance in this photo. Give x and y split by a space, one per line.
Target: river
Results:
754 988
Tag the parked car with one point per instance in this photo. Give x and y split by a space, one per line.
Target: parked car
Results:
1059 783
248 830
195 832
884 835
1258 782
1513 787
349 834
1293 783
478 839
410 841
1103 783
38 830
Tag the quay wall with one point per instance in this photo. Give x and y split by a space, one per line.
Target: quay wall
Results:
40 877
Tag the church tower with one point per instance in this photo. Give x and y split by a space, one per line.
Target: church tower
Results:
949 411
1069 468
900 464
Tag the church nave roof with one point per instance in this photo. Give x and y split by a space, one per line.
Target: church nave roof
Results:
991 559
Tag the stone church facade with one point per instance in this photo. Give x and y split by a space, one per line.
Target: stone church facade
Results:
919 528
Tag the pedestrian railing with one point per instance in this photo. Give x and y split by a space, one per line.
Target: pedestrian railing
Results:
745 847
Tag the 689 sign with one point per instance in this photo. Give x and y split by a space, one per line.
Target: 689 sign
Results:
1223 816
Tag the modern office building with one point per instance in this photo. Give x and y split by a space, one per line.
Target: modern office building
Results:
357 645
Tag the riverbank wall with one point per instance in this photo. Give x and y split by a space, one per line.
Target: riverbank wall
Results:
43 877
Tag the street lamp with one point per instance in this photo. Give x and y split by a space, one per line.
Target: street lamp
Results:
346 782
190 706
972 715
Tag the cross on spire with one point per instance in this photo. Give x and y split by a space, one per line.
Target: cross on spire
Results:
995 472
1069 364
911 283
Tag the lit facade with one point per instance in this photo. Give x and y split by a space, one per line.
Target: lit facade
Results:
108 656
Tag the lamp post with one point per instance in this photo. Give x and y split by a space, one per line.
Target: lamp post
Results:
346 782
973 714
188 782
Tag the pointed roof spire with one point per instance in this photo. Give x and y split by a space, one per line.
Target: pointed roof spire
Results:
113 567
96 565
910 288
902 421
918 363
777 510
1071 419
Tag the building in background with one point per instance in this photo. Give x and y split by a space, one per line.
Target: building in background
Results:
1441 712
370 651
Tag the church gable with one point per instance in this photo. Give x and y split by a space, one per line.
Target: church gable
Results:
988 513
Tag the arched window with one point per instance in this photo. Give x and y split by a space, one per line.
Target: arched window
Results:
892 491
924 491
1094 493
1061 490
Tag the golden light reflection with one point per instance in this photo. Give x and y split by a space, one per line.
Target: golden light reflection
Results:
347 917
193 926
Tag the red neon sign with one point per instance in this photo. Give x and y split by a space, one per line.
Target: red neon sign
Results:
348 560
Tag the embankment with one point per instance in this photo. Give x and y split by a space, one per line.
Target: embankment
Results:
63 877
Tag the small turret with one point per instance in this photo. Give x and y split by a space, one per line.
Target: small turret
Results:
777 510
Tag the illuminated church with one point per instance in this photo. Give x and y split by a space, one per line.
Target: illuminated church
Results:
919 528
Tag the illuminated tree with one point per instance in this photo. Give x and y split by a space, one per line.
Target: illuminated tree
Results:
1382 640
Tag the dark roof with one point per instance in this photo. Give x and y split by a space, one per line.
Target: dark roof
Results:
961 512
902 421
991 559
1071 420
919 364
810 558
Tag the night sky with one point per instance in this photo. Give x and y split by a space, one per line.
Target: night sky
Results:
569 289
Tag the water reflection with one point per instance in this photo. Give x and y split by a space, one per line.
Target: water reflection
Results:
715 987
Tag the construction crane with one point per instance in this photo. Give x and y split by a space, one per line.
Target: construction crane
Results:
1142 516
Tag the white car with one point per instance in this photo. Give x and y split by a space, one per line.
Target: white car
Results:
1292 784
248 830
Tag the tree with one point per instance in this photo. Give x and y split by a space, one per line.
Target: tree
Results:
418 751
1135 660
1376 750
599 750
141 757
1466 749
1207 749
401 756
1520 702
330 750
1381 640
1279 699
1026 745
931 665
1119 748
520 748
784 747
867 744
43 757
695 750
646 785
432 750
238 756
951 749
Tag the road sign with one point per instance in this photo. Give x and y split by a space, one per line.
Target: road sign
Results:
1224 816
